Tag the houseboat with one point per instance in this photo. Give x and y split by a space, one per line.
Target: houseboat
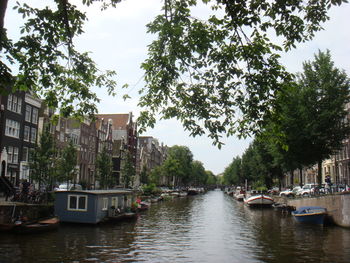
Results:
92 206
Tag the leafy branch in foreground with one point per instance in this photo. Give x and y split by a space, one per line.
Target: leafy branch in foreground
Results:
220 75
48 62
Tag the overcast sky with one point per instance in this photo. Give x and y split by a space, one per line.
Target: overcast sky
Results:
117 40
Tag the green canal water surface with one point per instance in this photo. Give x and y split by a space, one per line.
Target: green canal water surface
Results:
212 227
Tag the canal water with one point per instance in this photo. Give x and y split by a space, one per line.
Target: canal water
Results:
212 227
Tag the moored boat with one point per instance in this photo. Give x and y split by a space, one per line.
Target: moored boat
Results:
143 206
182 194
192 191
5 227
36 227
239 196
122 216
259 200
156 199
310 214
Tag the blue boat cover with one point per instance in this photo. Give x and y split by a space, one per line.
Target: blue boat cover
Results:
309 209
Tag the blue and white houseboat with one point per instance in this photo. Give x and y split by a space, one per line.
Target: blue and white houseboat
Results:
92 206
310 214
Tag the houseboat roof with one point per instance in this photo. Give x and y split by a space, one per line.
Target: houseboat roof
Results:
100 192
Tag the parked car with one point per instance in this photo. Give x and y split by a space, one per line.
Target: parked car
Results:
63 187
290 192
274 191
306 190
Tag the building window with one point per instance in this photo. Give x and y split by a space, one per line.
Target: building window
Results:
19 105
12 154
74 138
28 114
62 136
14 104
12 128
30 155
33 135
77 203
26 134
25 172
15 155
114 202
9 102
25 153
35 116
105 204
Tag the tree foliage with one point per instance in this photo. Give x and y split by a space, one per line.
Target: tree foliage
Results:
233 172
155 175
325 95
128 170
67 164
104 169
308 126
211 178
171 168
220 74
179 170
144 175
48 62
182 157
199 176
43 160
217 74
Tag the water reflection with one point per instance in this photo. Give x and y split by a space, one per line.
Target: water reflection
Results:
206 228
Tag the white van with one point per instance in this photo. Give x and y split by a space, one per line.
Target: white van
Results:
63 187
307 190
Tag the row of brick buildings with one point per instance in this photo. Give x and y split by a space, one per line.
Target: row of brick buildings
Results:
23 116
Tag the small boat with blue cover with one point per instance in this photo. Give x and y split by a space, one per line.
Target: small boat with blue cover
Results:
310 214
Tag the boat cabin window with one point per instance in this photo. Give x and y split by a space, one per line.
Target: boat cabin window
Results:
114 201
77 202
105 204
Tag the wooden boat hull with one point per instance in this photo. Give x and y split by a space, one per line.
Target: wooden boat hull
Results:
143 207
37 227
192 192
123 216
6 227
259 200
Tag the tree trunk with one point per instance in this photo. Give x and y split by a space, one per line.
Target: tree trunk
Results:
319 173
301 176
292 177
3 6
280 178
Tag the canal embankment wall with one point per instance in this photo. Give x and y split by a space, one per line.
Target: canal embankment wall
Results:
10 211
337 205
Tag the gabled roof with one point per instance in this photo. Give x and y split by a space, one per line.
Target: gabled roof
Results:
119 121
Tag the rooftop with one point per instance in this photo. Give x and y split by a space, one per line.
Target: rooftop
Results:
100 192
119 121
